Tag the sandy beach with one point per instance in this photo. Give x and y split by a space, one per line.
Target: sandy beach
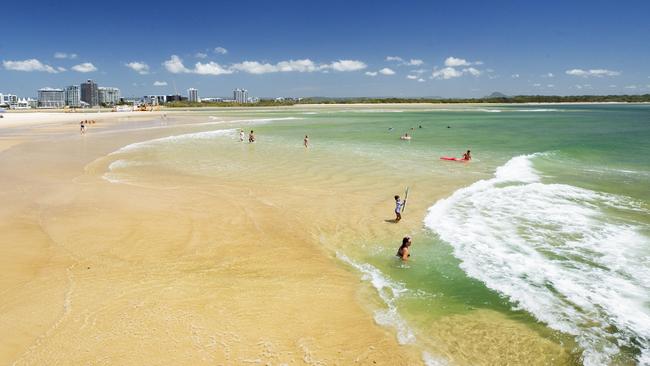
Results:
101 273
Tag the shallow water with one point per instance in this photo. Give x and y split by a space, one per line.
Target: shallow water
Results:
540 247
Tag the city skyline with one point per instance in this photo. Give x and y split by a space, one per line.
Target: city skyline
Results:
374 49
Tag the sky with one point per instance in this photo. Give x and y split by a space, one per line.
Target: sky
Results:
332 48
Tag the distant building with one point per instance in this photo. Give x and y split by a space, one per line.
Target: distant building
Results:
51 98
193 95
7 100
108 96
240 96
155 99
73 96
89 93
175 98
23 104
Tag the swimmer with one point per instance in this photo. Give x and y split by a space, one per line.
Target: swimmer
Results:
404 252
467 156
251 137
405 137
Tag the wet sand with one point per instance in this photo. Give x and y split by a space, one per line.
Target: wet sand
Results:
101 273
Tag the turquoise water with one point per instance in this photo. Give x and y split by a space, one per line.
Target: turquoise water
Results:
549 226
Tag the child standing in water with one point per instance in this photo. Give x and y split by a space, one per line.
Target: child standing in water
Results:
241 135
399 204
306 141
251 137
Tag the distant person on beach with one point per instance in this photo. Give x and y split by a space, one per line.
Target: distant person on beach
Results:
399 205
242 135
82 128
251 137
405 137
306 141
467 156
404 252
420 126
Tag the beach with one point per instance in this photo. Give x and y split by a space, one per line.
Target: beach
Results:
158 238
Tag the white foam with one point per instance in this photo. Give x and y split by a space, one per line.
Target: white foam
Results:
554 253
431 360
389 291
538 110
205 135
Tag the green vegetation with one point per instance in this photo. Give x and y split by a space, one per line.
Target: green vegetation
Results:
645 98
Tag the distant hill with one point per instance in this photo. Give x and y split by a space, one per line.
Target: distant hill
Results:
496 95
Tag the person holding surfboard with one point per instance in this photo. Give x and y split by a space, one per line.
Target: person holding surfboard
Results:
399 207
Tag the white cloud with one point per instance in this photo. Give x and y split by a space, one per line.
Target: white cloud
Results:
420 80
386 71
254 67
210 68
60 69
472 71
200 55
454 62
537 85
371 73
402 62
446 73
515 76
71 56
548 75
29 65
84 67
347 65
305 65
220 50
139 67
612 86
550 86
159 83
592 72
419 71
630 87
175 65
411 77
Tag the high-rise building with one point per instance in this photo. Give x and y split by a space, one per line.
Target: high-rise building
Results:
108 96
51 98
73 96
192 95
240 96
89 93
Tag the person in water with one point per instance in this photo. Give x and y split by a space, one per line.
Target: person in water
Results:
467 156
242 135
306 141
251 137
399 206
404 252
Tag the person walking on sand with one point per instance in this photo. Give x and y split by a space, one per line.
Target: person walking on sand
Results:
399 205
306 141
404 251
251 137
82 128
242 135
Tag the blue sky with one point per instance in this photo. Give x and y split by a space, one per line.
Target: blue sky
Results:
333 48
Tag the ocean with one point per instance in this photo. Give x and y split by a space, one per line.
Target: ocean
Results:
538 248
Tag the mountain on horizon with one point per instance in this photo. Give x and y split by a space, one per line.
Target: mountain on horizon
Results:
496 95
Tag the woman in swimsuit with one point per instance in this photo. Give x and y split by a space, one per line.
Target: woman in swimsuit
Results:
403 252
467 156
